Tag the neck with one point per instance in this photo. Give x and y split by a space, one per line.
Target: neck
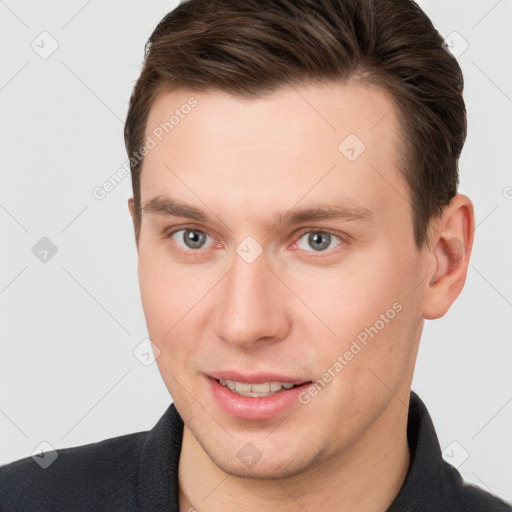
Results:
365 476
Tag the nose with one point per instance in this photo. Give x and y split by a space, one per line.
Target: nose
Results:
251 307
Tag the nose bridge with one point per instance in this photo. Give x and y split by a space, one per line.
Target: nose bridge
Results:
249 308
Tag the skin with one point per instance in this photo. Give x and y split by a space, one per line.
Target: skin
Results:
295 309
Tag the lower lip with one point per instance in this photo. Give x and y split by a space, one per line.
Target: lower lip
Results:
255 408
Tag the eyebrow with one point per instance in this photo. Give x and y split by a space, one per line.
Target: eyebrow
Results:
346 210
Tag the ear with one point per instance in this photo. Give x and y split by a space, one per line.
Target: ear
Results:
131 208
449 251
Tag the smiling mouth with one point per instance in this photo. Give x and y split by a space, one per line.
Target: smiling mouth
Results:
256 390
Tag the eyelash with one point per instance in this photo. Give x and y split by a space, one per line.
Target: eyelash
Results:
312 254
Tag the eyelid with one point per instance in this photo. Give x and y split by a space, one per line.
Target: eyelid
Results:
184 227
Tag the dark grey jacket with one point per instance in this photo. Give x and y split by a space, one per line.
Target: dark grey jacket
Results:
139 472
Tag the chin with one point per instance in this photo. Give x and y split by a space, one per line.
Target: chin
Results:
274 465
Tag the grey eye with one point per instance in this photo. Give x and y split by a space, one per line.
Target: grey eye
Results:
317 240
191 238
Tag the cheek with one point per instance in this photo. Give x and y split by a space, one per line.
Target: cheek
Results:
347 297
168 295
156 285
174 297
168 290
363 309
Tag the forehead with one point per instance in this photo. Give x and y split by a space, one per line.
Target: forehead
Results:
332 141
329 109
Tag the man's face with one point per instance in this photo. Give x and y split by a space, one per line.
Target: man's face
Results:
253 293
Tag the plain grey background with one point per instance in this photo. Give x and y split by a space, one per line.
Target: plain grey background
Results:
70 324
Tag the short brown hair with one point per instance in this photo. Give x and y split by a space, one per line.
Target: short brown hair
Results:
252 47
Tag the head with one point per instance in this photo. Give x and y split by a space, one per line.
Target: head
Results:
294 171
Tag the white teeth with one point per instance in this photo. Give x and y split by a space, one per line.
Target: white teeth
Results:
255 390
275 386
242 387
264 387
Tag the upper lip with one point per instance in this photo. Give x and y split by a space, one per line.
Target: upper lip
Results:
255 378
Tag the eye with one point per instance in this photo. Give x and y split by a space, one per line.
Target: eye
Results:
190 239
319 241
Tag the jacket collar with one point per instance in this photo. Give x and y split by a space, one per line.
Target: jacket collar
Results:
425 476
157 486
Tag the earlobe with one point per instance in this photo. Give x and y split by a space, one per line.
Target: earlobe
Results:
450 250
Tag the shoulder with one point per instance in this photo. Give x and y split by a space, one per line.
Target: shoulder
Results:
432 484
465 497
80 478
